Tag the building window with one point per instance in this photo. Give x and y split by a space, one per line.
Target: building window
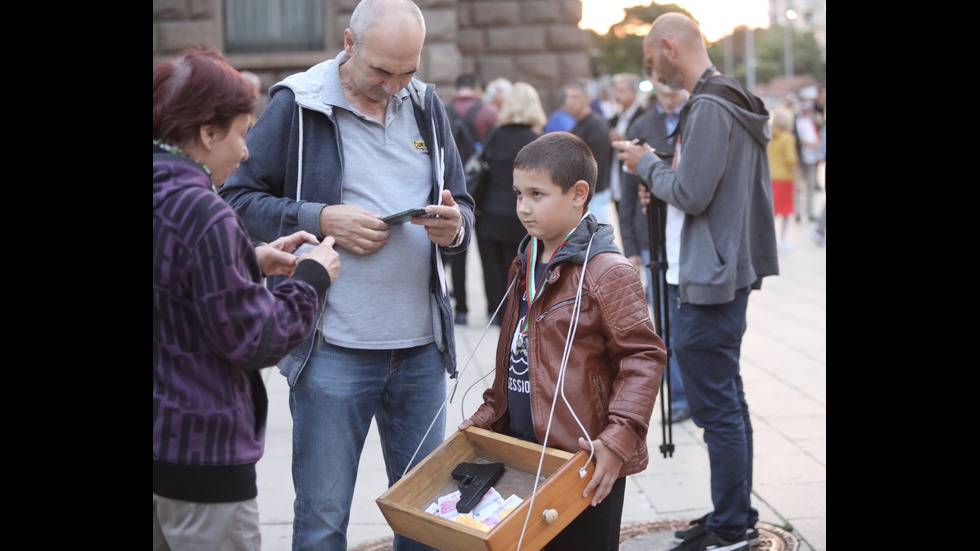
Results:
270 26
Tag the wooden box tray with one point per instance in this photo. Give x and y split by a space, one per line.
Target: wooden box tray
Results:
558 498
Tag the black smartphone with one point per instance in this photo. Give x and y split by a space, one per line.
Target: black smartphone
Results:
304 248
403 216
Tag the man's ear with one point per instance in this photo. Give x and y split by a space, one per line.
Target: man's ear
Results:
349 42
667 47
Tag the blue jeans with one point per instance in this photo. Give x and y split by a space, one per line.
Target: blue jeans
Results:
332 403
678 396
707 341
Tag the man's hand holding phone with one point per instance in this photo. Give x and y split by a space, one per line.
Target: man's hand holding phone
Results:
404 216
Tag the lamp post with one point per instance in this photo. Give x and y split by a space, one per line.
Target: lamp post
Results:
729 53
788 42
749 59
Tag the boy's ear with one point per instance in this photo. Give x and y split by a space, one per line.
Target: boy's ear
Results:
581 191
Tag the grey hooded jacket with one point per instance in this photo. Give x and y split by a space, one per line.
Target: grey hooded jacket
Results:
298 124
722 185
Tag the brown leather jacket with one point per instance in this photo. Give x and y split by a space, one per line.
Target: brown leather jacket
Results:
615 365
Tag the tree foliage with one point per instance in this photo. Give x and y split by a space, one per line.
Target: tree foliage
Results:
621 48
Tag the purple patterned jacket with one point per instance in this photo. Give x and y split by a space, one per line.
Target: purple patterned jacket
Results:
215 325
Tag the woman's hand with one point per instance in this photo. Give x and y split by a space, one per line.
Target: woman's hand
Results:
325 254
277 258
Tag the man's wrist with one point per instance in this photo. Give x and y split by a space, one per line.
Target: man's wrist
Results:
309 216
460 234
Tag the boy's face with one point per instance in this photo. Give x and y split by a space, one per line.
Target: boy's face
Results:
545 211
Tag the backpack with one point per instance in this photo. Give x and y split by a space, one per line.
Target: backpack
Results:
477 170
464 133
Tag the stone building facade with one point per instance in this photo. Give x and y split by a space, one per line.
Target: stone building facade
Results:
534 41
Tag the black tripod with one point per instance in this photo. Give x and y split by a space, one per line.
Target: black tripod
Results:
656 222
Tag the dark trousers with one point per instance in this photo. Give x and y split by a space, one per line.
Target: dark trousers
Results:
496 257
707 341
596 528
457 263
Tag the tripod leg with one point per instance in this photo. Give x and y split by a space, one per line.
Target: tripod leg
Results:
656 224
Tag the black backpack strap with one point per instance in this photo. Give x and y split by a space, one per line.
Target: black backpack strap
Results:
489 137
724 87
472 111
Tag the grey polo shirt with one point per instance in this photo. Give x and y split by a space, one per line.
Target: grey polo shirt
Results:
381 300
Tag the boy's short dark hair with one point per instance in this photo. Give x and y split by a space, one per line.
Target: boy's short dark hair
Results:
564 156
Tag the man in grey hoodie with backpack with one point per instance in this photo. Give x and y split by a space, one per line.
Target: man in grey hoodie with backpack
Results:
721 241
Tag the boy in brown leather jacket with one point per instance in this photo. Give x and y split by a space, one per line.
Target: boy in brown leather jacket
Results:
578 361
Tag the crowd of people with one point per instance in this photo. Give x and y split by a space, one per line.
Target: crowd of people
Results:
797 166
651 117
568 198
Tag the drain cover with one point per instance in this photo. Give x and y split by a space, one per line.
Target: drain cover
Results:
659 536
651 536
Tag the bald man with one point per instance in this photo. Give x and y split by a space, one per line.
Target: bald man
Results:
721 241
386 340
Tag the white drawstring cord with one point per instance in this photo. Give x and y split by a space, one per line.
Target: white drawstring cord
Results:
560 385
462 412
459 376
564 362
299 158
576 310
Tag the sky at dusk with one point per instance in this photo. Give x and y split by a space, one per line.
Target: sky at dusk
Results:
717 17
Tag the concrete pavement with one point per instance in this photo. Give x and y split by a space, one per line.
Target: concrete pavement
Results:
784 369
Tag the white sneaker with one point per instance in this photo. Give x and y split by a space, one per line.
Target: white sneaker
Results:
818 239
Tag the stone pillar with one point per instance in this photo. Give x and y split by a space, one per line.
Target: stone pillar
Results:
535 41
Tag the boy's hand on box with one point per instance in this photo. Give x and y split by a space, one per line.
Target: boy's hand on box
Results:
607 466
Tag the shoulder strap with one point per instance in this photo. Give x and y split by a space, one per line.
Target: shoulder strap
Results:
724 87
472 111
488 139
729 90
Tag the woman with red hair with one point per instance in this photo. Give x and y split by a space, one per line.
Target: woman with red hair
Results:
215 325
